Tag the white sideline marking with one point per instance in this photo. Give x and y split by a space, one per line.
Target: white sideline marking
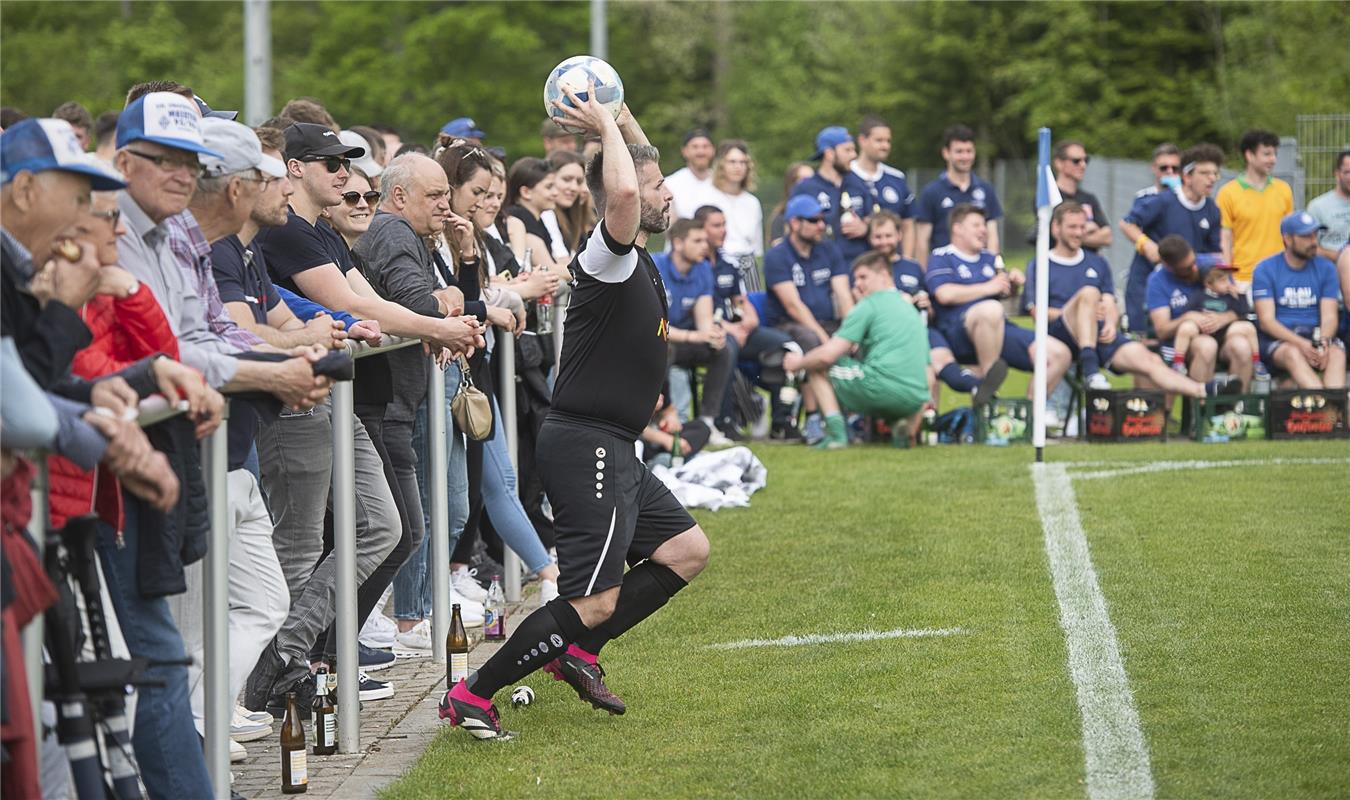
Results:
1113 743
1169 466
827 638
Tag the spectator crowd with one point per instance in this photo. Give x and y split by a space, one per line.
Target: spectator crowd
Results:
166 250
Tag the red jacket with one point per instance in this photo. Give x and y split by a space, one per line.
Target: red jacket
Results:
125 331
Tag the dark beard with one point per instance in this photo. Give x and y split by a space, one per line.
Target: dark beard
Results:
652 220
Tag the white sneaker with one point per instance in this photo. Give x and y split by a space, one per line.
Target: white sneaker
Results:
237 752
378 632
242 729
416 641
463 584
718 439
1098 382
254 716
1052 420
548 591
470 611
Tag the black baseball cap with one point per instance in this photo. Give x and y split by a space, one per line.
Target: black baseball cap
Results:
305 139
696 133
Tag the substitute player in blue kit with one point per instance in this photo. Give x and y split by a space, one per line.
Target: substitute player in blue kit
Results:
608 509
1298 296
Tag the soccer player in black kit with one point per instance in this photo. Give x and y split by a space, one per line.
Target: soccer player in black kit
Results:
608 509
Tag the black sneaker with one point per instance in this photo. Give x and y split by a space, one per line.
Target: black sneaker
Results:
729 430
372 689
1218 387
785 432
372 660
258 688
989 385
304 698
588 680
480 723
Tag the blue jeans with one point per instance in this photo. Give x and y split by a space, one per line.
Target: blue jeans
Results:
412 584
502 501
166 743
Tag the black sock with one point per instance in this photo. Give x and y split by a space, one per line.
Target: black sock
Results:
543 635
1087 361
646 588
962 380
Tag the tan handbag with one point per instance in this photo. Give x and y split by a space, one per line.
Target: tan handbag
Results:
471 408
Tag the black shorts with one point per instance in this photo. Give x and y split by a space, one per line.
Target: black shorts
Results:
608 509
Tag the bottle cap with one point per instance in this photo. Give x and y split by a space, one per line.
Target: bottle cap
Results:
454 607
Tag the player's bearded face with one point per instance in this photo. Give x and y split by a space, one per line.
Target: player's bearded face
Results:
655 199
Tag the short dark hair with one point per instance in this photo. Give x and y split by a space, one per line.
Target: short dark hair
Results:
704 212
74 113
1255 138
962 210
874 260
957 133
595 171
1066 208
1172 249
11 116
882 217
526 173
870 123
1340 159
1203 153
1062 149
1165 149
307 109
142 89
680 230
105 126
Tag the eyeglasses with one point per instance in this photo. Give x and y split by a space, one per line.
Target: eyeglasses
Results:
265 180
171 163
1169 168
112 216
1082 161
332 163
352 198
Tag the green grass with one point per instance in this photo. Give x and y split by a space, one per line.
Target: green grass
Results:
1232 621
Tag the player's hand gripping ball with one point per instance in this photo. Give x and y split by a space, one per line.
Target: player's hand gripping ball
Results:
576 73
522 696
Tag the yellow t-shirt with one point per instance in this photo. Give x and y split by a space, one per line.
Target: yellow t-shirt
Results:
1253 215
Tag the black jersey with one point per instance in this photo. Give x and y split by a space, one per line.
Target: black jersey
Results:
614 339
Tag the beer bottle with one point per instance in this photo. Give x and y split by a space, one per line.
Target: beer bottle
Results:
676 450
1317 343
294 767
456 649
494 612
325 716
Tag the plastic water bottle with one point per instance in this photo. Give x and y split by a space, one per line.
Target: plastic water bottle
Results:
494 612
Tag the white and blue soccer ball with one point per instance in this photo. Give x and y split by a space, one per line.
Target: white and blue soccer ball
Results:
575 73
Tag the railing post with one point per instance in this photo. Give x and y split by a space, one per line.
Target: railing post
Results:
438 490
344 547
33 634
216 626
506 358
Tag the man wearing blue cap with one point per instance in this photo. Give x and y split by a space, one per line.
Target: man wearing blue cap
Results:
959 184
1298 297
835 188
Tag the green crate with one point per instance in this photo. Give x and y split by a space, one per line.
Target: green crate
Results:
1231 417
1003 421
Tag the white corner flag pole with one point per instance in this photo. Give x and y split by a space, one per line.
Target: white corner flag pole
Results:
1047 197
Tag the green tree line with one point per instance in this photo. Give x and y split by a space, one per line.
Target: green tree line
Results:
1121 76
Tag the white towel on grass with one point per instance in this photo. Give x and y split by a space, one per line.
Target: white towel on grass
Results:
716 479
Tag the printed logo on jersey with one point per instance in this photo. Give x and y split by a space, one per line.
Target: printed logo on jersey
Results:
819 276
947 202
890 195
663 329
1091 273
1298 297
798 275
824 199
725 281
963 272
1204 223
1178 299
988 271
556 639
978 197
908 282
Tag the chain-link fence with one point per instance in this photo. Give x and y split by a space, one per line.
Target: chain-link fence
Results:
1320 138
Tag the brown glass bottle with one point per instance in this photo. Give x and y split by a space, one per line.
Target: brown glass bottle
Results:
456 649
325 716
294 767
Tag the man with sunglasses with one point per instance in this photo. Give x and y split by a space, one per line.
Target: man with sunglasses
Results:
1070 161
1187 212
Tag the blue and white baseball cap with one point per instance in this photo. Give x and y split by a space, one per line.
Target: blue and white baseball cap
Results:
802 206
832 136
38 145
1300 223
163 118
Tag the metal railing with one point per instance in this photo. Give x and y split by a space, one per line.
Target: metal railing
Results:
219 706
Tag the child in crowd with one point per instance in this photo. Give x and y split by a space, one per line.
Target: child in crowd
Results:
1221 294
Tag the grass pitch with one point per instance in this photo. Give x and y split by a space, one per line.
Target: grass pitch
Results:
1226 586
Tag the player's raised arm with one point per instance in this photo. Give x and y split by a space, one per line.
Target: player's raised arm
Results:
621 211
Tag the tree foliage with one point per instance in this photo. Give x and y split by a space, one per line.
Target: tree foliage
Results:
1121 76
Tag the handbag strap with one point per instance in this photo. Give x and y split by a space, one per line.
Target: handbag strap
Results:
466 375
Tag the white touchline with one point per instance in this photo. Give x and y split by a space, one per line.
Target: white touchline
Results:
1113 743
1169 466
827 638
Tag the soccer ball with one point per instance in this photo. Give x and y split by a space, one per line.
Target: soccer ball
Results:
522 696
575 73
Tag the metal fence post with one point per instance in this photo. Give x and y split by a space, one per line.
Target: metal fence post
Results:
216 609
438 493
506 358
344 548
33 634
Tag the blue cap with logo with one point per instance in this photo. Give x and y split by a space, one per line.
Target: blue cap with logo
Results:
209 113
38 145
463 128
802 206
832 136
163 118
1300 223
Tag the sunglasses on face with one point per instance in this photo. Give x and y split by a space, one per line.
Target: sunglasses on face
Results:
331 163
1080 161
352 198
813 220
1169 168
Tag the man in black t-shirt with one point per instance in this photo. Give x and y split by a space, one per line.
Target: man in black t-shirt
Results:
608 509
